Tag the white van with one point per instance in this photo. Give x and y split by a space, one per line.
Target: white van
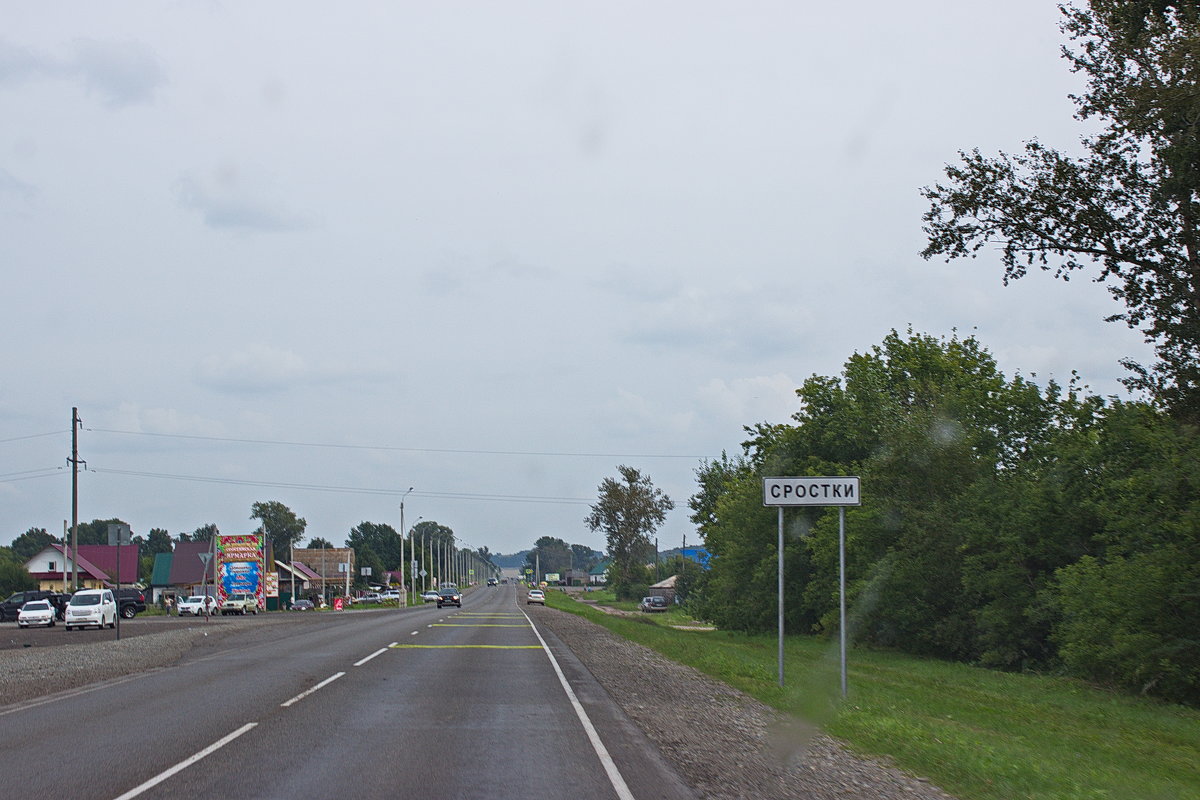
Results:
92 607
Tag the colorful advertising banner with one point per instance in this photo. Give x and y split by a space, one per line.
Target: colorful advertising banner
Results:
241 567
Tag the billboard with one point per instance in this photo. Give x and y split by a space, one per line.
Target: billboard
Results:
241 567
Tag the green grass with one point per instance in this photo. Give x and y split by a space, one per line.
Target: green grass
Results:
978 734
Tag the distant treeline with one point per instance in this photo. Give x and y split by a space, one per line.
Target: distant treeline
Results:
1005 524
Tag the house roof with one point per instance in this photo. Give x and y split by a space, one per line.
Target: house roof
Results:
85 564
104 557
601 568
161 576
186 566
669 583
305 572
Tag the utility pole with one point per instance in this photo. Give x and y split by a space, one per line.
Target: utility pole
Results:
74 459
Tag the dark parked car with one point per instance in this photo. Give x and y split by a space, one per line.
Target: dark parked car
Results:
302 605
132 602
12 606
654 604
449 597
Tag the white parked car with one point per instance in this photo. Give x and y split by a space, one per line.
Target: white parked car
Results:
430 596
198 605
91 607
391 594
36 612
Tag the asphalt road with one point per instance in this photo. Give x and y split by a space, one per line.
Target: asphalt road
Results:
390 703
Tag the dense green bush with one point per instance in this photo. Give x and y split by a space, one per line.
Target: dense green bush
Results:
1002 523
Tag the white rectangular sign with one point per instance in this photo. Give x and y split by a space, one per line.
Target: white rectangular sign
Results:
839 491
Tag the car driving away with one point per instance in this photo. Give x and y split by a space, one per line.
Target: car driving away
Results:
535 596
449 597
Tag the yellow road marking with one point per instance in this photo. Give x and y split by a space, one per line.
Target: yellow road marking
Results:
469 646
476 625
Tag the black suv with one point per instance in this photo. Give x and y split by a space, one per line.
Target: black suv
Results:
132 602
449 597
10 607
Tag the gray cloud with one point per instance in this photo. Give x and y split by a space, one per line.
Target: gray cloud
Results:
122 74
11 186
119 73
227 202
255 370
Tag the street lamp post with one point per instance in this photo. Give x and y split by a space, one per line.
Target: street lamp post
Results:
411 576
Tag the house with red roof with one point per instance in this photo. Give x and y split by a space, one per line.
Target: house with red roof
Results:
53 567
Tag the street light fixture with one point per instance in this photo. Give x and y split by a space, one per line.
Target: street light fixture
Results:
398 606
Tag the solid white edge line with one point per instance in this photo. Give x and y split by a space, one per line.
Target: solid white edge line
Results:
182 765
368 658
610 767
305 694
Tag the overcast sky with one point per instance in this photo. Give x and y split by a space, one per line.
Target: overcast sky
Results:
322 252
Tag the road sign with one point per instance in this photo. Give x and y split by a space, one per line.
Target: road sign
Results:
807 491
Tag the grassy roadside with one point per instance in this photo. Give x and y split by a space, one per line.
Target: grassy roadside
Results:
979 734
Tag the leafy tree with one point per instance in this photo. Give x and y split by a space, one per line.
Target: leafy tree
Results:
628 511
282 526
364 556
317 542
13 575
96 531
203 533
159 541
550 554
1128 210
30 543
381 539
584 557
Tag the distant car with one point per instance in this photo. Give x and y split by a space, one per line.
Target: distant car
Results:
654 604
239 603
449 597
37 612
197 604
370 597
431 596
390 595
302 605
492 582
92 607
535 596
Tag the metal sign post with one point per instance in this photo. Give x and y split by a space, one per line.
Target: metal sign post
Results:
810 491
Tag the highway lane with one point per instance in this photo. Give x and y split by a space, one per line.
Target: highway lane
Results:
421 702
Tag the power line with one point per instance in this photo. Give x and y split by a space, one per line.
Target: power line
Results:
29 474
287 443
345 489
30 436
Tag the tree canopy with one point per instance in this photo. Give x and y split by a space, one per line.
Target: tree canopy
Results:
1127 211
1003 523
628 510
281 525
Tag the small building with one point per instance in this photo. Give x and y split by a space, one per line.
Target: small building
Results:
53 567
598 575
665 588
333 568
